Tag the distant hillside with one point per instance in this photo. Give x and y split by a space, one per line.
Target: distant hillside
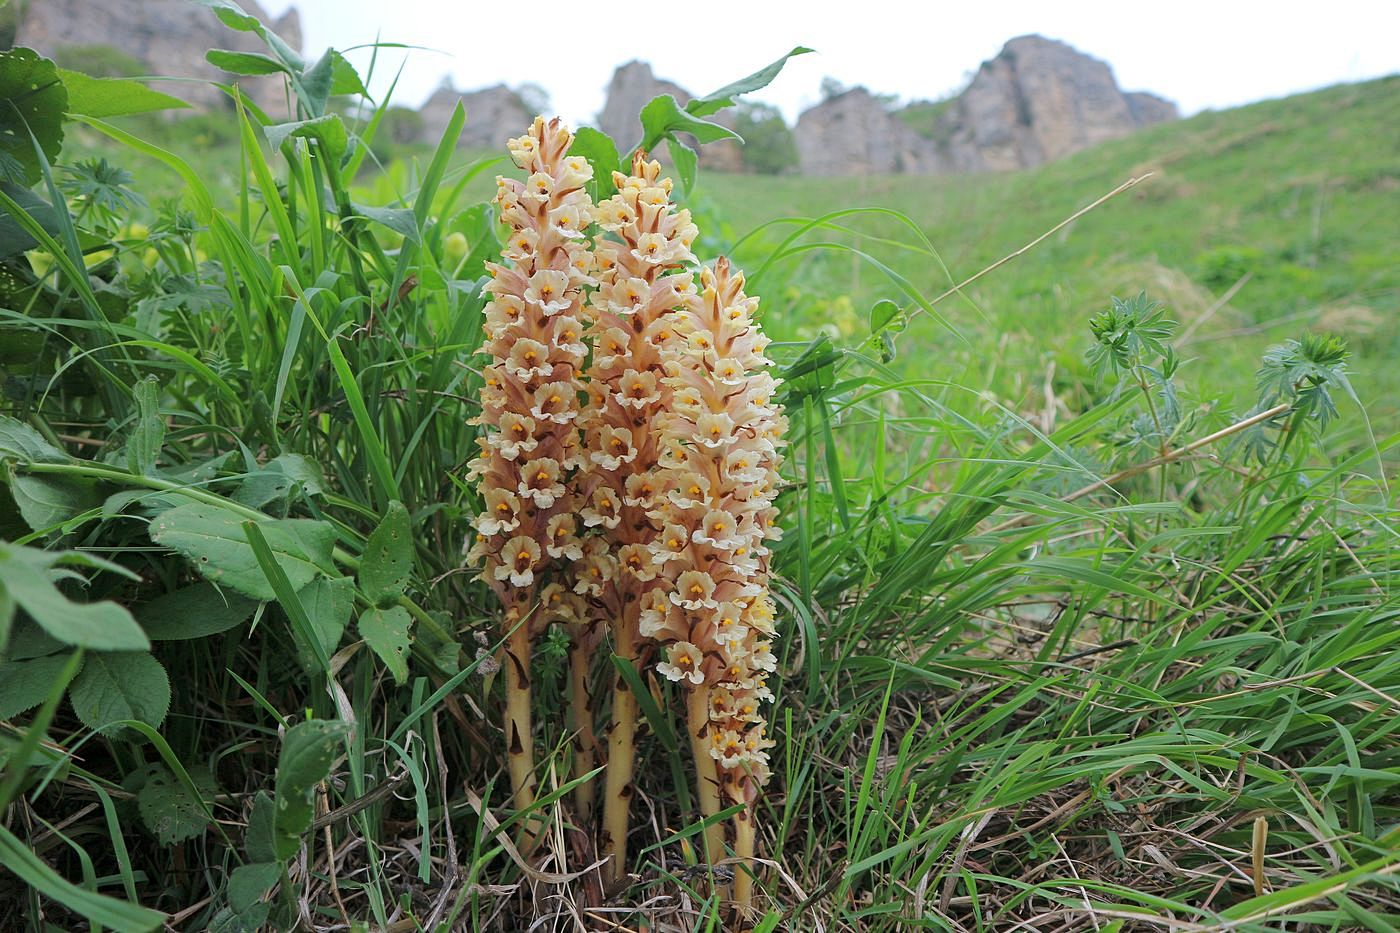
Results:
1295 203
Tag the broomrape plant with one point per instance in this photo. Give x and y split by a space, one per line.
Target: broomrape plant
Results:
530 411
649 507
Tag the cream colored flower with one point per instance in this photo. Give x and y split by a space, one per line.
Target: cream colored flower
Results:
683 663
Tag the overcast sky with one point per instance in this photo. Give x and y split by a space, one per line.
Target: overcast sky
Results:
1199 54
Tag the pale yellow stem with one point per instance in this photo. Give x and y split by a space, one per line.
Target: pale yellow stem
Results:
585 740
743 854
706 774
622 751
520 743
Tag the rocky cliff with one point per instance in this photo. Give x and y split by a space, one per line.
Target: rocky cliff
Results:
494 114
853 133
631 87
1038 100
168 37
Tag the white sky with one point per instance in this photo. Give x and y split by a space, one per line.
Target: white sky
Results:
1200 54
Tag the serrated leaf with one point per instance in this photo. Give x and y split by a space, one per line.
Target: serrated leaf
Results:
387 562
248 883
105 626
113 97
601 152
386 633
169 810
45 502
21 443
328 604
346 79
120 685
663 117
316 83
328 130
195 611
213 540
32 103
724 97
26 684
244 63
148 434
308 751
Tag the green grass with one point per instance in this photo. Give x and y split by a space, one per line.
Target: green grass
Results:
1301 195
1012 695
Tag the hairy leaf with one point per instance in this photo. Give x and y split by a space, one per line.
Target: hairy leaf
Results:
120 685
213 540
26 684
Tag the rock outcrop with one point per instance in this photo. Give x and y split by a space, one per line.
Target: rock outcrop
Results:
494 115
632 86
168 37
1037 101
854 133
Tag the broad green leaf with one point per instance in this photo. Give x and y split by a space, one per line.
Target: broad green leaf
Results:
259 841
601 152
387 562
308 751
120 685
401 220
104 626
386 632
724 97
277 479
232 15
328 603
346 80
194 611
248 883
148 434
328 130
686 160
316 82
244 63
32 104
97 908
213 540
881 314
663 117
21 443
48 501
113 97
26 684
169 810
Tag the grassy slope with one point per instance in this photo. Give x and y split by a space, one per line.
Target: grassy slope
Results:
1302 194
1089 710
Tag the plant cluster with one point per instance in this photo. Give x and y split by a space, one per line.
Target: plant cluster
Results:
646 509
